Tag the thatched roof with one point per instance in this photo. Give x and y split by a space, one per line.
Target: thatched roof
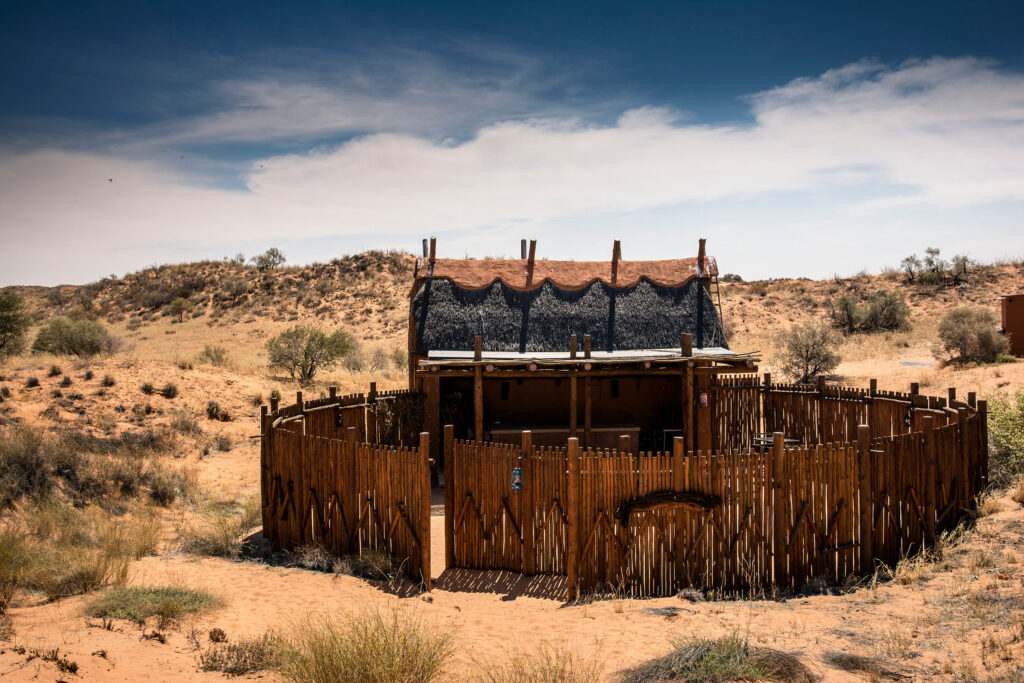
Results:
644 315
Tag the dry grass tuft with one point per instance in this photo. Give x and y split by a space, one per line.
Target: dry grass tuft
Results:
548 663
138 603
247 656
375 646
729 658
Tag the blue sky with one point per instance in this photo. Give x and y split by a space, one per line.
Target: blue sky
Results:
799 138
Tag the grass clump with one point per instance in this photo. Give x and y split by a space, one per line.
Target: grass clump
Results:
31 382
247 656
138 603
65 337
375 646
55 371
108 381
170 390
1006 438
215 355
220 534
729 658
548 663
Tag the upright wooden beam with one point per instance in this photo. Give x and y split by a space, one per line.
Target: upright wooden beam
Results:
573 551
780 529
867 543
586 346
572 346
616 255
951 392
685 344
573 405
432 410
587 406
963 472
530 262
701 256
702 385
983 448
478 347
930 475
433 252
478 403
527 497
872 387
689 418
449 496
424 511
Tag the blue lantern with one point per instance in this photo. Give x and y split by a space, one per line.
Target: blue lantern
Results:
517 479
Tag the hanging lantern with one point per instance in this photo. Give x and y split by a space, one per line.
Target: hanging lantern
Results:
517 479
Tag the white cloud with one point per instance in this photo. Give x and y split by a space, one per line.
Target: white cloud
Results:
941 133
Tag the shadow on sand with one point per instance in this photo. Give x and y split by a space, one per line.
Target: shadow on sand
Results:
510 585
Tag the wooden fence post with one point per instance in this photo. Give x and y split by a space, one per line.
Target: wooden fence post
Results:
679 484
332 392
779 531
573 551
963 472
264 467
867 541
424 512
449 496
930 474
274 402
527 497
983 446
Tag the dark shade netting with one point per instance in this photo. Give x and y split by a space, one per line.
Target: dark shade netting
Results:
646 316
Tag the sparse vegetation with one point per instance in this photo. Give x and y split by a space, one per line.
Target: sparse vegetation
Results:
178 307
808 351
138 603
884 311
215 355
108 381
14 323
247 656
220 533
268 260
169 391
375 646
729 658
65 337
303 351
971 335
1006 438
546 663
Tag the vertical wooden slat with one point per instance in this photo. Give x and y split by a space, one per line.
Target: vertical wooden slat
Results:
573 503
478 403
779 535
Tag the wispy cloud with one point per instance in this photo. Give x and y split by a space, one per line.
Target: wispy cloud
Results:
931 133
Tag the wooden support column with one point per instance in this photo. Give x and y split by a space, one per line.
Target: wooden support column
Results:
478 403
688 413
983 447
265 430
424 511
572 560
972 399
930 475
433 253
527 497
616 255
449 496
702 385
432 410
530 262
587 407
685 345
478 348
963 475
572 346
332 392
573 405
867 542
780 493
951 392
586 346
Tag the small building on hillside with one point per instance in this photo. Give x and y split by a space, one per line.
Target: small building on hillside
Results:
592 349
1012 308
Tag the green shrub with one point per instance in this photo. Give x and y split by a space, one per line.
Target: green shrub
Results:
729 658
807 351
14 323
138 603
268 260
971 335
246 656
178 307
63 336
374 646
303 351
1006 438
883 311
170 390
215 355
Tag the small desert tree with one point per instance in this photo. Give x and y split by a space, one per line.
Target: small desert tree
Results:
302 351
74 338
14 323
807 351
179 307
268 260
969 335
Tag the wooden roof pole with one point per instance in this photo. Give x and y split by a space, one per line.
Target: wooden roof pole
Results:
530 261
701 257
616 255
433 253
702 283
